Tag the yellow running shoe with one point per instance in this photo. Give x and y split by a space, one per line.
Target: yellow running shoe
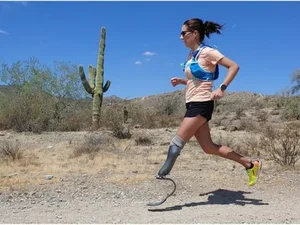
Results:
253 173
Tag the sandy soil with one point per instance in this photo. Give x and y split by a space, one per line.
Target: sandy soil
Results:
115 185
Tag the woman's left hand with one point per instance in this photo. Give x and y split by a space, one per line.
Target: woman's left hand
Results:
217 94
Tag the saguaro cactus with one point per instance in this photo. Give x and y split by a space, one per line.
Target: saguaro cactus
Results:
95 85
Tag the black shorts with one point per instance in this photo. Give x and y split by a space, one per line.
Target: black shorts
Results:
204 109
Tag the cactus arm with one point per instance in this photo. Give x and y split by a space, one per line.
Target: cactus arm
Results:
106 86
92 75
86 85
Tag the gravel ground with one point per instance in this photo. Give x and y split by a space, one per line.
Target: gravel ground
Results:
275 199
208 191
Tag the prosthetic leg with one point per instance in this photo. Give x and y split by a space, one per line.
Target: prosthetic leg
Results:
173 152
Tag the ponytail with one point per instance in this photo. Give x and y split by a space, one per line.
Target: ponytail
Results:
212 27
204 29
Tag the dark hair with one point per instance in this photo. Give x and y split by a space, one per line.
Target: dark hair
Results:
204 29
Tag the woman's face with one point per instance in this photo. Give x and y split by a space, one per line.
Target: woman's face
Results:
189 37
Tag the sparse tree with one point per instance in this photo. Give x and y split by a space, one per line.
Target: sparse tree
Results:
296 82
30 78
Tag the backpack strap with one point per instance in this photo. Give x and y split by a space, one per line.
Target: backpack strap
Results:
194 55
196 52
199 49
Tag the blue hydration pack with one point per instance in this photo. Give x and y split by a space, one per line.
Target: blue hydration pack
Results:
198 72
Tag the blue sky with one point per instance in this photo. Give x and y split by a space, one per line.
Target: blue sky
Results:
262 37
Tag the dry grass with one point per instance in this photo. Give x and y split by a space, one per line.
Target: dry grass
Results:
10 151
118 161
122 159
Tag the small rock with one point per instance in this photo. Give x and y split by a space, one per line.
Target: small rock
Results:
221 128
12 175
49 177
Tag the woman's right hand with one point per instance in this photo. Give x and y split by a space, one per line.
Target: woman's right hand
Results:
175 81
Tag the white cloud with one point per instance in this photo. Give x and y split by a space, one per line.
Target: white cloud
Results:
147 59
149 53
138 63
4 32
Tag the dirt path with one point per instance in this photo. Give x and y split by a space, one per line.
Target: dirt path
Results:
276 199
209 190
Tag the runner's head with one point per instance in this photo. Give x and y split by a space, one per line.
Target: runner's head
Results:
194 30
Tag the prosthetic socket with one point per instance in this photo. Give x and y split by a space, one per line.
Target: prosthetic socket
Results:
173 152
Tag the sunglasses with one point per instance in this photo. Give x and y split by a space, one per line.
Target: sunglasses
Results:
183 33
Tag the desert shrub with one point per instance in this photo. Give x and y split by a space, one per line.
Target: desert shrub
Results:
169 104
233 110
259 104
77 116
39 96
291 109
90 146
146 117
28 112
283 146
112 118
216 120
37 113
250 146
164 121
247 124
75 122
239 111
262 116
4 112
10 150
142 140
141 115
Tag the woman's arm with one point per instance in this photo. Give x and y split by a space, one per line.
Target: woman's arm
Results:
233 69
176 80
183 81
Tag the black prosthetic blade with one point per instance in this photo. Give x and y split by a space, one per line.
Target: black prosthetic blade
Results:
165 199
